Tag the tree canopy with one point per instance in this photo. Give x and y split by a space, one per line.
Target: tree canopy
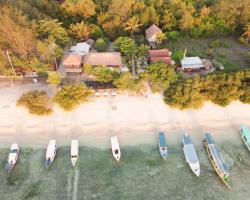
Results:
36 101
160 76
70 96
220 88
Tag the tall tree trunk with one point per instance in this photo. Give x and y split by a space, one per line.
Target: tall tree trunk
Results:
133 66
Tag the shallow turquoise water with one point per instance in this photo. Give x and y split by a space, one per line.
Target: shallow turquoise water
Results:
141 174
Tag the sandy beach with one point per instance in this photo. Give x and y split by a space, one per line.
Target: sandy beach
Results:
135 121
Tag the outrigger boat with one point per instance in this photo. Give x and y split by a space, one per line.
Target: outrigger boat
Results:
163 145
216 159
50 153
13 156
191 155
245 135
74 152
115 148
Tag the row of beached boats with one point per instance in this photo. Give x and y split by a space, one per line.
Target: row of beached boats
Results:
190 153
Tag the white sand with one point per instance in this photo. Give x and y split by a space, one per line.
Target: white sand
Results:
136 121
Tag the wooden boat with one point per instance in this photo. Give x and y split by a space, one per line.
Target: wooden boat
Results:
50 153
245 135
13 156
163 145
115 148
191 155
216 158
74 152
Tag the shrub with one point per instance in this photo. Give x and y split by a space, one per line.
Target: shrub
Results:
101 73
172 35
126 83
70 96
177 56
215 44
54 78
160 76
37 102
101 44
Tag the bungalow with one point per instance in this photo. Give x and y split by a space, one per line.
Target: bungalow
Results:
191 63
163 55
109 59
73 64
151 34
80 48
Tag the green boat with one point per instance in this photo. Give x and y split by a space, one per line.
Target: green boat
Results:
245 135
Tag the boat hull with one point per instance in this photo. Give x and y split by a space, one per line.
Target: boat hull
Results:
115 148
214 165
162 145
244 140
50 153
195 167
13 157
73 161
191 155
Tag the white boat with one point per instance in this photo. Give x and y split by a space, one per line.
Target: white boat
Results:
115 148
163 145
50 153
191 155
74 152
13 156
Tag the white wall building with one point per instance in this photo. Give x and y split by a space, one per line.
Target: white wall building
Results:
80 48
191 63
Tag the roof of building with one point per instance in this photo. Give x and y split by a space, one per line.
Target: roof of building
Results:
152 30
166 60
80 48
193 62
72 59
159 53
103 58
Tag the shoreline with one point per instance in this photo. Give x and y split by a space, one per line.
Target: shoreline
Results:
136 121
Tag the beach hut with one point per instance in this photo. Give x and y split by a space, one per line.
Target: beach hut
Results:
151 34
107 59
73 64
160 55
191 63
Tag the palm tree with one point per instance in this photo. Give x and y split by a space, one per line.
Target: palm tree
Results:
80 31
246 34
132 25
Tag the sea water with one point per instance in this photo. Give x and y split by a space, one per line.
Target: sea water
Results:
140 175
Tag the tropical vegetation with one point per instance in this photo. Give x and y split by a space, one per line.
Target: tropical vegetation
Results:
70 96
36 101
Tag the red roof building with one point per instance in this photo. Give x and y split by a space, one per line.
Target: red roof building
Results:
163 55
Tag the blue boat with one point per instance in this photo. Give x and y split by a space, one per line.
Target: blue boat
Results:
163 145
191 155
245 135
216 158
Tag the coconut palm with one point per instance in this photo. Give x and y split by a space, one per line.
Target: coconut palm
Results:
132 25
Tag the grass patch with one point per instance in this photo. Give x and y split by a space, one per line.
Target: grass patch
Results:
229 65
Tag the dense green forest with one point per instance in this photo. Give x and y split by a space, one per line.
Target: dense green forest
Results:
220 88
34 32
